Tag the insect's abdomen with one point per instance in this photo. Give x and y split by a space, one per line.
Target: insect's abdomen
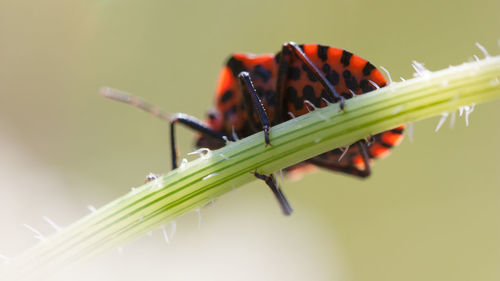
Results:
350 75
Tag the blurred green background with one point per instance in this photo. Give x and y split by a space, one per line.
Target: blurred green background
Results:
429 212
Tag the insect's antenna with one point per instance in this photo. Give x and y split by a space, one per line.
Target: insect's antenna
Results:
135 101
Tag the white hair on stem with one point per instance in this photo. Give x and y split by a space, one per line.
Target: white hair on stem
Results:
51 223
203 152
37 235
452 120
420 69
235 136
344 152
410 131
198 211
483 49
388 74
165 235
444 116
374 84
210 175
173 228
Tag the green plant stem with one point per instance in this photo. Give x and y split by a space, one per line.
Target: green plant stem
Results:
198 182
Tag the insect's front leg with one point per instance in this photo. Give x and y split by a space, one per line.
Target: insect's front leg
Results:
193 124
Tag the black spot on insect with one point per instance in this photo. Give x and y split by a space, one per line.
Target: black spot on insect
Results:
345 59
368 68
329 97
323 52
384 144
365 86
350 81
333 77
308 94
294 73
227 96
269 97
397 131
346 95
293 97
310 74
301 46
266 95
236 66
261 73
326 68
324 94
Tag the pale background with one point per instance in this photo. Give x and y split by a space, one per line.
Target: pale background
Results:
431 211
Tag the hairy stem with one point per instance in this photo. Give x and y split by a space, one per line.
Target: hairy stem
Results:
217 172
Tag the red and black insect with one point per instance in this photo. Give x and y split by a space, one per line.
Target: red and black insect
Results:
255 92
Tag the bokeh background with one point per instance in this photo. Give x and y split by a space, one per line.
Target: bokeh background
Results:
430 211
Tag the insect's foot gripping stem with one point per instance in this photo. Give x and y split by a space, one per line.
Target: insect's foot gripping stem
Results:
271 182
342 103
266 136
151 177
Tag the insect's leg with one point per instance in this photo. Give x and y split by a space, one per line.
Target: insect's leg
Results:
297 51
192 123
151 177
271 182
249 89
363 149
351 170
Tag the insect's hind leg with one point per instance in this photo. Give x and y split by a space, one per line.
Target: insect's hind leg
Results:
271 182
193 124
363 149
351 170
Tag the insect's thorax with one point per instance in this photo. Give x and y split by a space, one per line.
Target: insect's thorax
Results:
231 114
